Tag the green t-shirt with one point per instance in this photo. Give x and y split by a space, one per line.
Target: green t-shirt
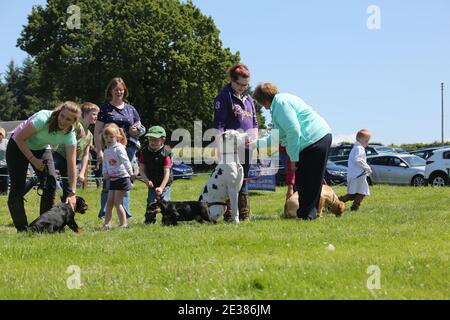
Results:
84 138
42 137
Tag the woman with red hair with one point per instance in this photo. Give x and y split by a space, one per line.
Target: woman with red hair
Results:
234 109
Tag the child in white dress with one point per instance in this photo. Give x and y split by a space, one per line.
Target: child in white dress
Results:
358 170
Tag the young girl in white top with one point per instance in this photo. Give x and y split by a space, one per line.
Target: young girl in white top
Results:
358 170
117 168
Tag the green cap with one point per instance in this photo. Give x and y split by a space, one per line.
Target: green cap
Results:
156 132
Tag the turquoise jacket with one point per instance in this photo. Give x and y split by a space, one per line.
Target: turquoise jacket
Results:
299 126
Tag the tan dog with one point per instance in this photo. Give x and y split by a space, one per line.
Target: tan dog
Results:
328 201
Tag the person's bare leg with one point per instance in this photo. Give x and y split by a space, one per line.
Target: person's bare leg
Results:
118 203
109 209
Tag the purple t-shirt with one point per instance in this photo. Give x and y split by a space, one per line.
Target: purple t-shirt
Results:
124 118
231 112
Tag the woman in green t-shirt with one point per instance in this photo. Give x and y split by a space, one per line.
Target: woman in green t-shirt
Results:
30 145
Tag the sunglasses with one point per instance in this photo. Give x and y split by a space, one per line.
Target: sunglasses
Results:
242 85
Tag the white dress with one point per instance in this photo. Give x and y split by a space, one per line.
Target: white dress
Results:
357 165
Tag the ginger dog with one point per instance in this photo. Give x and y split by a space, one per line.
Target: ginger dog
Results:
328 201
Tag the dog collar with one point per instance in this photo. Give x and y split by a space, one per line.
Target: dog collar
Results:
216 204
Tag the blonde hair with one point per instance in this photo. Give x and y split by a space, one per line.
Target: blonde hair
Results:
265 92
3 132
114 130
53 120
363 133
88 107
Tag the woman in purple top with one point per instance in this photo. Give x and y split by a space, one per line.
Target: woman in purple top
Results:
234 109
126 117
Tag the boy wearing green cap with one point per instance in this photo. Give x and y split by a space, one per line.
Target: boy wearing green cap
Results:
155 165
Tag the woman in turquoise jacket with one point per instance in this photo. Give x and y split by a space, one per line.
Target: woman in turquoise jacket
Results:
307 138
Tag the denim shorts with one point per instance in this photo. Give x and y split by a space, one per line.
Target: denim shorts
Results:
123 184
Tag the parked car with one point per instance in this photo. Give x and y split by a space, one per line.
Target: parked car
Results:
404 169
341 152
335 174
425 153
181 170
437 169
384 149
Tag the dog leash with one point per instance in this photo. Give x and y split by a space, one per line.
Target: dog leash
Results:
346 182
42 185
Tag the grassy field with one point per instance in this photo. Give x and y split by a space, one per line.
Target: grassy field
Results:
402 230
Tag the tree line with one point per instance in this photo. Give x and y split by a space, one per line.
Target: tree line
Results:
168 52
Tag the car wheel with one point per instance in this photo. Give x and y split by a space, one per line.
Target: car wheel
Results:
418 181
439 180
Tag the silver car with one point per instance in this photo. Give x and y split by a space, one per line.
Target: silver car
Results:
402 169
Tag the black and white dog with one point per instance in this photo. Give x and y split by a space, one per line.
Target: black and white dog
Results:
55 219
174 211
227 178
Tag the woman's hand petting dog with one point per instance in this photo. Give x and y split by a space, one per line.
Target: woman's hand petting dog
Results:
72 201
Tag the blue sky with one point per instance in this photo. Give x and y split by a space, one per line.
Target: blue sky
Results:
385 80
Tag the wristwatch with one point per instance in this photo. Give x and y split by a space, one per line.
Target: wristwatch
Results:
71 192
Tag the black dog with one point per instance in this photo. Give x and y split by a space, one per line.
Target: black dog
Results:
174 211
55 219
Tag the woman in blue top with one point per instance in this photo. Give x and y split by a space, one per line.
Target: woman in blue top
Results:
30 145
307 138
125 116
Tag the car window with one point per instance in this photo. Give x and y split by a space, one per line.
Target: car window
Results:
446 155
415 161
419 154
332 152
344 151
370 151
380 161
395 162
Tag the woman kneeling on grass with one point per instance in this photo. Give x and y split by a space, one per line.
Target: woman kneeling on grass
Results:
117 169
29 144
307 138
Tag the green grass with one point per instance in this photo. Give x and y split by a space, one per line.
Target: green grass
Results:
402 230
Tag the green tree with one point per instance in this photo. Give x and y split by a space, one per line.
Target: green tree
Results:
30 97
168 52
9 91
7 103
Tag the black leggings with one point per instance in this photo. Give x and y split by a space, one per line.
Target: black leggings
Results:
309 177
18 167
3 180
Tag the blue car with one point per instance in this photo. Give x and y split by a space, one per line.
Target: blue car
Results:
182 171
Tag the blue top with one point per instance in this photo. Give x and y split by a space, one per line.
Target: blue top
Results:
124 118
298 124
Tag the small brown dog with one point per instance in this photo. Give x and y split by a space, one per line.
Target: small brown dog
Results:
328 201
